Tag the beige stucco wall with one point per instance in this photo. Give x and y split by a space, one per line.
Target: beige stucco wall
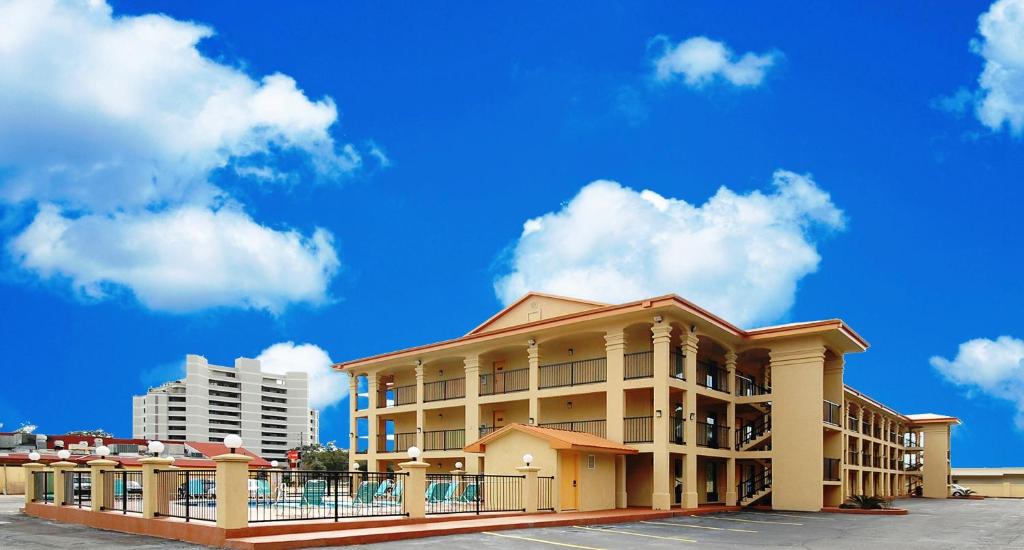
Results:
639 478
537 309
12 480
936 460
1010 486
597 485
588 406
797 433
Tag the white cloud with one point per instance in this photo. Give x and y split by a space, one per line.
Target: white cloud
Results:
700 61
995 367
180 259
326 386
739 255
1001 84
112 126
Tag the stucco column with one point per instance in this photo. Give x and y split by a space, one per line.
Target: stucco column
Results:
936 460
415 487
353 406
533 358
420 415
154 497
689 349
472 364
529 488
661 499
615 352
621 497
232 482
730 415
99 488
58 480
372 423
30 479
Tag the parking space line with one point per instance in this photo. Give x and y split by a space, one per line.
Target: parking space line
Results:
793 516
541 541
694 526
754 521
633 533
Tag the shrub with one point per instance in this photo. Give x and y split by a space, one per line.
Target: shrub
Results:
867 502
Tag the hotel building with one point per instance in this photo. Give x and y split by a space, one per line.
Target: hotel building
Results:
708 412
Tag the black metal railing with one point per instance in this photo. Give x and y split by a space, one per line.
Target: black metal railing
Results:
396 396
444 389
444 440
396 443
853 458
290 495
484 430
878 432
187 494
473 493
574 373
866 458
746 387
42 483
592 427
677 367
830 470
122 491
713 436
851 423
712 376
754 430
754 485
638 429
638 365
546 493
677 430
77 488
505 382
831 413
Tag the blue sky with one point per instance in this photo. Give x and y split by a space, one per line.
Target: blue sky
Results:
374 197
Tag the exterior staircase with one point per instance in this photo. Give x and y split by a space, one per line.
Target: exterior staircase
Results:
755 435
763 408
753 490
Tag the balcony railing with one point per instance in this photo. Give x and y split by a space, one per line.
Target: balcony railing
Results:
592 427
753 430
713 436
852 423
866 459
638 429
444 440
505 382
831 413
747 387
484 430
830 471
677 367
396 443
639 365
854 458
444 389
574 373
677 430
712 376
398 395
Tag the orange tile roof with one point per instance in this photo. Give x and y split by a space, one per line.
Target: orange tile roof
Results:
210 450
558 439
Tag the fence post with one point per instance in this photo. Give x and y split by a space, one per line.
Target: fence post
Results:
99 488
232 483
529 488
153 499
59 484
30 480
415 488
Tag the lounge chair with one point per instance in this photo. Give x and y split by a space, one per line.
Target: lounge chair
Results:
313 492
470 493
364 495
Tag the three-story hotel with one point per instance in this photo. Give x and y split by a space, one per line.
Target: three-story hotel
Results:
653 403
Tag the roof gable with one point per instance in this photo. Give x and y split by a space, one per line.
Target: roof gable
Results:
535 306
557 439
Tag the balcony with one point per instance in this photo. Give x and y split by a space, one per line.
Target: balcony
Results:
502 382
574 373
677 430
854 458
831 413
396 396
444 389
711 376
485 429
638 429
677 369
712 436
746 387
592 427
444 440
852 423
830 470
639 365
396 443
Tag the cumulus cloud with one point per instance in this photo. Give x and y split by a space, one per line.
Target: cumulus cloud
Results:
700 61
326 386
739 255
1001 84
111 128
994 367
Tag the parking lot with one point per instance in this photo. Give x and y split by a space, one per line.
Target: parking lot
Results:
932 525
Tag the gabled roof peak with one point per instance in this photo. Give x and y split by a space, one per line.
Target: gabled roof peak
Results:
531 307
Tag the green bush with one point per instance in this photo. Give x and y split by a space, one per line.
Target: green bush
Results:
867 502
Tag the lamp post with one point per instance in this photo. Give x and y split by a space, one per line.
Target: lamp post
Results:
155 448
233 443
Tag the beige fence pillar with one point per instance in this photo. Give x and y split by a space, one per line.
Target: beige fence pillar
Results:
30 480
415 488
58 480
154 497
99 488
529 488
232 486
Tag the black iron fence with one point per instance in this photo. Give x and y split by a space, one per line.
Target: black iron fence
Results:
573 373
677 430
444 389
713 436
592 427
638 429
77 488
677 367
473 493
747 387
444 440
187 494
289 495
712 376
831 413
122 491
853 458
546 493
830 469
398 395
639 365
395 443
505 382
42 483
754 430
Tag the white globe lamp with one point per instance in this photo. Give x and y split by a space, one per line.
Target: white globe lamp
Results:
64 454
232 442
458 465
155 448
414 452
33 456
273 464
527 459
103 451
